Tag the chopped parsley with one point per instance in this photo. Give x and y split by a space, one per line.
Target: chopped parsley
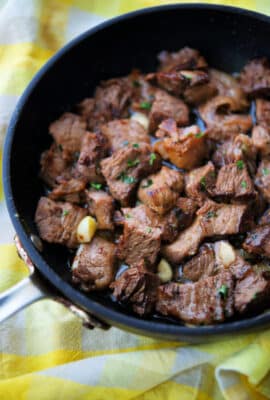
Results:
136 83
128 215
65 213
223 291
136 145
254 296
199 135
127 178
133 163
148 183
240 164
244 184
203 183
145 105
95 185
211 214
76 155
152 158
125 142
60 147
265 171
148 229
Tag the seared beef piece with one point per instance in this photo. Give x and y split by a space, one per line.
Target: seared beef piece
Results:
263 112
144 216
121 132
261 139
258 241
138 288
186 58
57 222
213 219
71 190
86 108
233 182
199 183
255 77
207 301
201 265
185 210
53 165
251 293
160 191
93 265
186 148
221 120
126 167
262 180
68 132
94 147
139 242
198 94
101 206
166 106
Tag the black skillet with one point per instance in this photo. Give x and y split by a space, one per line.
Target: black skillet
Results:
227 36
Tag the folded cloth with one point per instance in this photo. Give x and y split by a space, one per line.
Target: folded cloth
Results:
45 353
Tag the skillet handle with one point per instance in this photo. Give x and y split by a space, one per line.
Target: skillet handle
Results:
35 288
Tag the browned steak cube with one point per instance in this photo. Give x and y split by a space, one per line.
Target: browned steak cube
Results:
57 222
138 288
122 132
166 106
185 211
207 301
255 77
261 139
53 165
185 58
263 112
94 264
68 132
258 241
262 180
201 265
71 190
199 182
126 167
101 206
251 293
233 182
93 148
161 191
139 241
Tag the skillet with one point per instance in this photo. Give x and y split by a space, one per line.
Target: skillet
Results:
226 36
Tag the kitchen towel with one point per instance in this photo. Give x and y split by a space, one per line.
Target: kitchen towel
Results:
45 353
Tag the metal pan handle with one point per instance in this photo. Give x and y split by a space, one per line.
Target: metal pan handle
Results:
32 289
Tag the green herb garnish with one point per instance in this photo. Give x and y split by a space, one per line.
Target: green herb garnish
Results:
128 215
145 105
152 158
148 229
95 185
60 147
244 184
240 164
211 214
223 291
65 213
136 83
199 135
203 183
148 183
136 145
133 163
265 171
127 178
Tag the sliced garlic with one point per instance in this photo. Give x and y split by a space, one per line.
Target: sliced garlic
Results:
226 253
86 229
164 271
141 118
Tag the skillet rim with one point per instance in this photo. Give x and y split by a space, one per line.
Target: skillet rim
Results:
117 318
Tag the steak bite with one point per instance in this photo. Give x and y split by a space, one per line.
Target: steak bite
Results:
94 265
185 58
213 219
101 206
263 112
233 182
139 242
160 191
258 241
57 222
186 148
262 180
126 167
53 165
221 120
137 287
71 190
68 132
261 139
122 132
207 301
200 182
93 148
185 210
255 77
166 106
